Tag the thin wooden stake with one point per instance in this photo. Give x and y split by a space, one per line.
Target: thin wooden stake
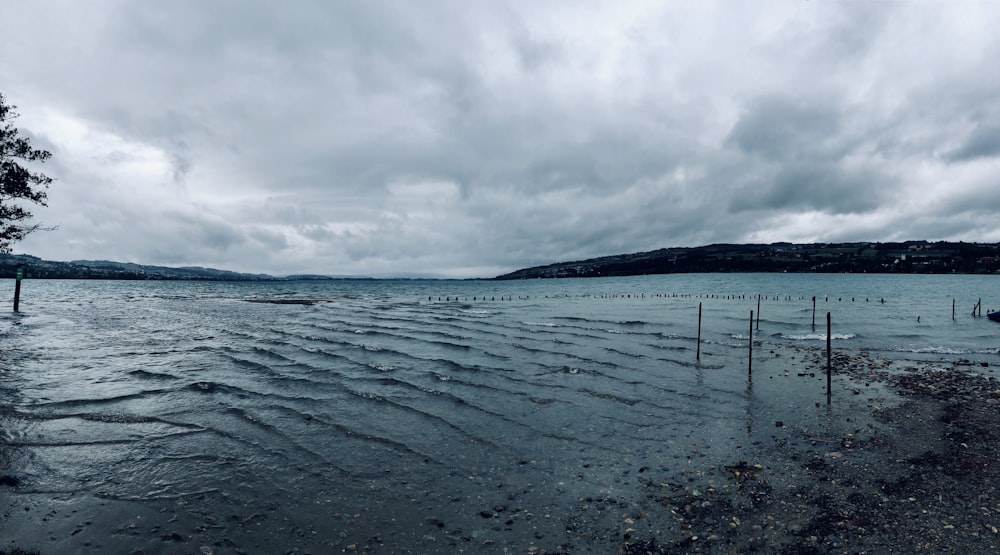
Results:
19 273
758 311
814 313
828 365
750 356
698 354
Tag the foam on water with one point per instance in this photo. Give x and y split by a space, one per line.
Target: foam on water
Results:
817 336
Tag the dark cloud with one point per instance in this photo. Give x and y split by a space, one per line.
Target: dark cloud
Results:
823 186
982 142
786 129
473 138
804 155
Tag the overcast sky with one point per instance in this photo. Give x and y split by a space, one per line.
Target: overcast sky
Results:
469 139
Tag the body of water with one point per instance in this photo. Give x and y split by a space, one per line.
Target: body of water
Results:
426 416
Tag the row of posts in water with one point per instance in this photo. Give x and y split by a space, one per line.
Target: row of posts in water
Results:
977 309
829 345
466 298
754 322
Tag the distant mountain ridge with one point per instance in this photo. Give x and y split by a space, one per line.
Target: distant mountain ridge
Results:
36 268
910 257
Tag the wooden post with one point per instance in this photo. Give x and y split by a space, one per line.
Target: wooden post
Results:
828 365
698 353
750 355
17 287
758 311
953 309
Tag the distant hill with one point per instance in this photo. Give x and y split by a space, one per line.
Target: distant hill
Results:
910 257
36 268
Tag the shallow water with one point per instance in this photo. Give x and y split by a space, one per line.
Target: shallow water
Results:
432 416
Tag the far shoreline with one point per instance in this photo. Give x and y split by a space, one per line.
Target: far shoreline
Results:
908 257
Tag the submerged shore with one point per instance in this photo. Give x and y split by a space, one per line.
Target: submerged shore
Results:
915 475
920 477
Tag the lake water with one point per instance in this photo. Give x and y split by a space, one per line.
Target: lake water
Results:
426 416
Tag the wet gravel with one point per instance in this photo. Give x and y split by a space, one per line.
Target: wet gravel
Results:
921 479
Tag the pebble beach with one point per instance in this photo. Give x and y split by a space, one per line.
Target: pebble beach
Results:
919 477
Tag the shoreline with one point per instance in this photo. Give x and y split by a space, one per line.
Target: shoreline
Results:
923 479
915 474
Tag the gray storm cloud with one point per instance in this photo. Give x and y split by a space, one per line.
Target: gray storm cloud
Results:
470 139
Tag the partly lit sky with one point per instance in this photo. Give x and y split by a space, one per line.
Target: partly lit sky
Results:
469 139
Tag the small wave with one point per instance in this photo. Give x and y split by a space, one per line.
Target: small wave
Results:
151 375
612 397
478 312
940 350
268 353
816 336
449 345
126 418
203 386
671 347
536 349
574 319
216 387
542 324
572 370
102 401
249 364
121 441
623 353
